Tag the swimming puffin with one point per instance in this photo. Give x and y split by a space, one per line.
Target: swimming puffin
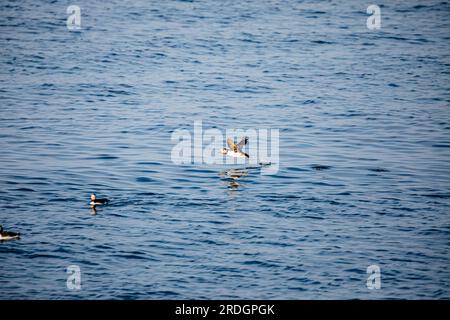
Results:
8 235
95 201
235 149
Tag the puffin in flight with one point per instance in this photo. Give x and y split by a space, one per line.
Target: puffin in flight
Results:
235 150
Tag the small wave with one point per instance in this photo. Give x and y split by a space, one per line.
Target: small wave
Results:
25 189
378 170
320 167
322 42
144 179
438 195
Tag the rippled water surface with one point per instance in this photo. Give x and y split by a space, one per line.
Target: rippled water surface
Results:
364 149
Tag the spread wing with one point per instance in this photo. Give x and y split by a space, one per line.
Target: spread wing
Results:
232 145
243 142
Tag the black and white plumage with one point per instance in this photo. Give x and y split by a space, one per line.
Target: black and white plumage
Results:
96 201
8 235
235 150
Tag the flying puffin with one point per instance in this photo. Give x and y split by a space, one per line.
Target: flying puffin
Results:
235 149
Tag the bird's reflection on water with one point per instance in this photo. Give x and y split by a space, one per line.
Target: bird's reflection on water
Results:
233 175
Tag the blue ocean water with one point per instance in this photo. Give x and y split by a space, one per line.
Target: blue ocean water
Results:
364 149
